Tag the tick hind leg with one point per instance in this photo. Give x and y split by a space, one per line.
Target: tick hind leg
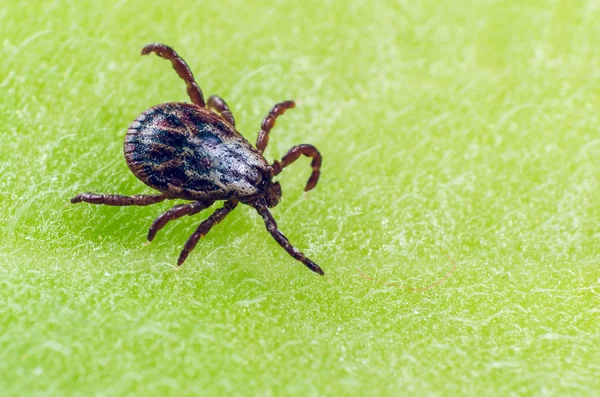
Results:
294 154
284 242
118 200
269 122
180 67
217 103
204 228
174 213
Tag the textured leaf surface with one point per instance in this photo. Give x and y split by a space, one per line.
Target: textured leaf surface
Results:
457 129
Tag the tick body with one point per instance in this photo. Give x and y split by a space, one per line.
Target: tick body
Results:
192 151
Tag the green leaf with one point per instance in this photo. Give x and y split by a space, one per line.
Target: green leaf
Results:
451 132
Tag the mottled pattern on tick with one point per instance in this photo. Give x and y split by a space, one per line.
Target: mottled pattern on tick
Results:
188 150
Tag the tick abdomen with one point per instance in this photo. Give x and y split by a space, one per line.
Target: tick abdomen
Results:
189 152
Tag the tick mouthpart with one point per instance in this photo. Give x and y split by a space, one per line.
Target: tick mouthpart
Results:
273 194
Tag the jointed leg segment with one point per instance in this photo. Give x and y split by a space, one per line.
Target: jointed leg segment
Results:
283 241
180 67
174 213
293 154
118 200
219 104
204 228
269 122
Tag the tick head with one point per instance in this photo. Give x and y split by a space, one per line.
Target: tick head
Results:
273 194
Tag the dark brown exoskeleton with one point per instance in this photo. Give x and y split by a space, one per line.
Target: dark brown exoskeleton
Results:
193 152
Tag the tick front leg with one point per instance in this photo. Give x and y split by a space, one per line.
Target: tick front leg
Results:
293 154
181 67
269 122
204 228
283 241
176 212
118 200
217 103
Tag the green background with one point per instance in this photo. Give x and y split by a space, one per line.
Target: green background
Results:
459 129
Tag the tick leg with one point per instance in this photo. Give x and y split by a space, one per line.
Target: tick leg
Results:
180 67
269 122
283 241
204 228
219 104
174 213
293 154
118 200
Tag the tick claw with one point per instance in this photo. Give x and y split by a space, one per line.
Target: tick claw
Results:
313 266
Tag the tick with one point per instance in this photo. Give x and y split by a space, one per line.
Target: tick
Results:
192 151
